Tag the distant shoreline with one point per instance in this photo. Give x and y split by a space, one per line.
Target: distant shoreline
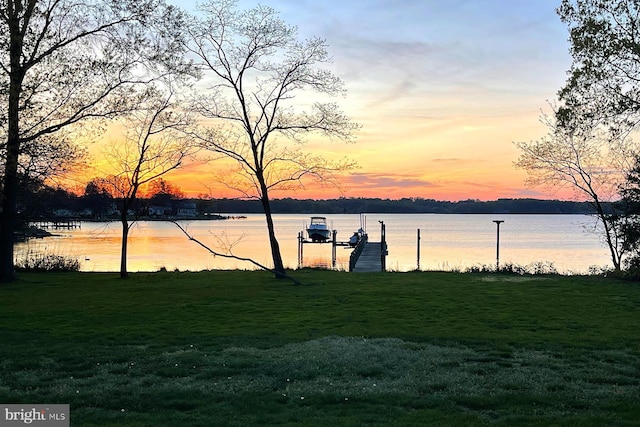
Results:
225 209
400 206
143 218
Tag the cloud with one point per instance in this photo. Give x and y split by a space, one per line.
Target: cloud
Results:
452 160
386 181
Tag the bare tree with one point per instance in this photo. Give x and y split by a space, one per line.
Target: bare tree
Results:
64 62
587 159
255 68
154 144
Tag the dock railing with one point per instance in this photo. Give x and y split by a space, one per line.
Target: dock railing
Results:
355 254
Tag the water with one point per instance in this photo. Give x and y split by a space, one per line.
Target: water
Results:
448 242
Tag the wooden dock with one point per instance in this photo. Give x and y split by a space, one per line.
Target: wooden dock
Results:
57 223
370 259
365 257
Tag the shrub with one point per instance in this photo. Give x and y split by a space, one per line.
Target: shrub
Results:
541 267
510 268
596 270
535 268
47 262
631 268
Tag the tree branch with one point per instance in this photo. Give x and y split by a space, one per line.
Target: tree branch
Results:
249 260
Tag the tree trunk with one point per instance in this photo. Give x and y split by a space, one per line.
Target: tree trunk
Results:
10 187
8 216
124 274
615 256
278 265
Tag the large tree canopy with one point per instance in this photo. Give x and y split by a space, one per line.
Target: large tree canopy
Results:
604 78
629 205
589 146
63 62
80 59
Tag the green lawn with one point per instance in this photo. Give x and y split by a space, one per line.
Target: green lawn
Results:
243 349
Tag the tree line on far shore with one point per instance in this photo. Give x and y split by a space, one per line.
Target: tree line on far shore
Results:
357 205
47 203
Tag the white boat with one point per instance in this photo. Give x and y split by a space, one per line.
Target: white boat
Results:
355 239
318 230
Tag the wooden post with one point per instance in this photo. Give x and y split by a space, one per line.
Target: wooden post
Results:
418 250
383 247
300 246
333 248
498 222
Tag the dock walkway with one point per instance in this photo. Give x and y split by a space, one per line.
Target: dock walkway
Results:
369 259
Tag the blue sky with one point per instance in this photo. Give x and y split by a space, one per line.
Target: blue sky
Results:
442 88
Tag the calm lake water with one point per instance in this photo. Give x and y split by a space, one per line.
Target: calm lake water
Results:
448 242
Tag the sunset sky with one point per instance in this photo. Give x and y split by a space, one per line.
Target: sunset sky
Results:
442 89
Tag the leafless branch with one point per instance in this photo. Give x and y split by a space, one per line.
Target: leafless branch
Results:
244 259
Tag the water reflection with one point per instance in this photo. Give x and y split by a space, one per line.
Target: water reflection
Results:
447 242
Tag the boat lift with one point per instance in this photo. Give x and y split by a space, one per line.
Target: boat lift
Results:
356 241
333 241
